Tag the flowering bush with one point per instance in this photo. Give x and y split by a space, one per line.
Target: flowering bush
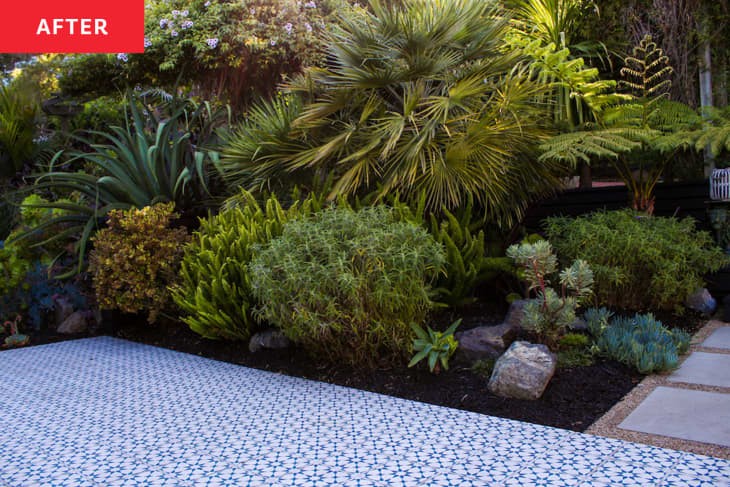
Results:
237 49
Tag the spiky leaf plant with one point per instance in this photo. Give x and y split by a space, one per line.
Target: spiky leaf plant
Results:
418 96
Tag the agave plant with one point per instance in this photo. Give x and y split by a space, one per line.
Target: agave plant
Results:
136 167
417 96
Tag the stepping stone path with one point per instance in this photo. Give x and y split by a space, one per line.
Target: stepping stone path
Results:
108 412
691 413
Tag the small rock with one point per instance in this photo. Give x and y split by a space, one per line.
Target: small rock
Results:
523 372
273 339
483 342
578 324
702 301
76 323
515 313
63 308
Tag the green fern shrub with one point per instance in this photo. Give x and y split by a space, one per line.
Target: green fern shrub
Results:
637 262
215 291
135 259
550 312
347 285
641 342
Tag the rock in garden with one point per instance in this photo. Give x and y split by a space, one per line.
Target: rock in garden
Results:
76 323
702 301
273 339
523 372
483 342
515 313
63 308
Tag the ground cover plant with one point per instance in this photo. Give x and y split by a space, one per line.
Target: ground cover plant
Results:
640 341
347 285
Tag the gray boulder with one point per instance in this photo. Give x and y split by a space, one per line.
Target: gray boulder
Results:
271 339
75 323
515 313
523 372
483 342
702 301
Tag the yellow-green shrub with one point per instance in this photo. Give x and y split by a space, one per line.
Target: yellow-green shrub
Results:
136 258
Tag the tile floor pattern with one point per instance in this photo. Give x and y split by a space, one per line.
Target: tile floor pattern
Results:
104 411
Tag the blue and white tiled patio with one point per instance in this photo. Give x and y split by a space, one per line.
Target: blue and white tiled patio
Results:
109 412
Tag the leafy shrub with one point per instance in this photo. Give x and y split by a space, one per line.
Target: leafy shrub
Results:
418 96
638 262
436 346
549 312
135 259
237 50
641 342
18 114
470 259
17 258
215 289
348 285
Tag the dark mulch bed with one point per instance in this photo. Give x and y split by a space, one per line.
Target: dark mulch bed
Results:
574 399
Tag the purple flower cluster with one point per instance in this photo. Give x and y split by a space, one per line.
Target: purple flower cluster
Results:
288 28
309 27
187 24
207 4
212 43
147 42
122 57
310 4
163 22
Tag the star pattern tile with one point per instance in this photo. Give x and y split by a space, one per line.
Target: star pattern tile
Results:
108 412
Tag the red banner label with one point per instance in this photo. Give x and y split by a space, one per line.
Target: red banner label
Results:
72 26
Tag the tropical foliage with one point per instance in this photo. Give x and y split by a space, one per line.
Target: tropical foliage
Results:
416 97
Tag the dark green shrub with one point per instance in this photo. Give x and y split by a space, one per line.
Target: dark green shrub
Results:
637 262
135 259
417 96
348 285
641 342
215 290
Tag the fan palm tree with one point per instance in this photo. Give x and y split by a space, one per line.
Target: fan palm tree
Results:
418 96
